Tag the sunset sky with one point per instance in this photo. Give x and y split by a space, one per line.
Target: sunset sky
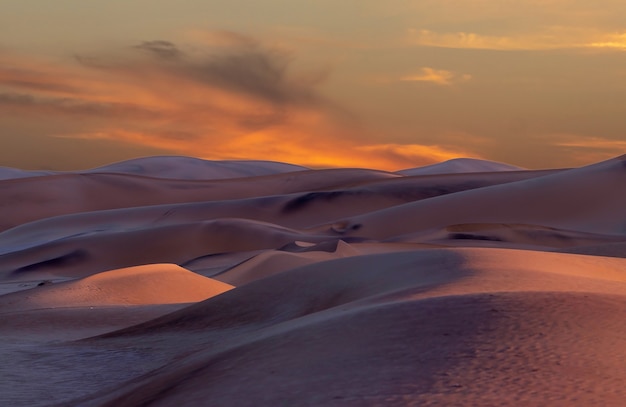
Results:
359 83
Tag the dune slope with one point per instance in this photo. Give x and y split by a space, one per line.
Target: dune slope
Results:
424 319
178 281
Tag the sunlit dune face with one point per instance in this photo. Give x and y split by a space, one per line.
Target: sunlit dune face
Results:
238 103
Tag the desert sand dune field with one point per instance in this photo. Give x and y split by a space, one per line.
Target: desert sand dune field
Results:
177 281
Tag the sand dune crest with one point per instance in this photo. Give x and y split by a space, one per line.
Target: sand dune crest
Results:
177 281
140 285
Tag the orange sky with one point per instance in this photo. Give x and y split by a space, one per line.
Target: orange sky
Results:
385 85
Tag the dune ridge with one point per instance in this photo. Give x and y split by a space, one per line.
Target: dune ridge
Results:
174 167
332 315
460 165
139 285
179 281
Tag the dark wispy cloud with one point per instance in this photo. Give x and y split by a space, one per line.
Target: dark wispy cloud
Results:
231 97
162 49
236 66
32 81
38 104
255 72
240 65
160 93
38 86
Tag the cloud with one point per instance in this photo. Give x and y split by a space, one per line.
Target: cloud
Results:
20 76
244 82
410 154
597 143
522 25
471 40
440 77
35 85
220 39
231 62
235 99
436 76
259 73
520 18
550 38
162 49
611 41
290 144
37 105
590 149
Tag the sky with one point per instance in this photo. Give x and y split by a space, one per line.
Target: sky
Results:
352 83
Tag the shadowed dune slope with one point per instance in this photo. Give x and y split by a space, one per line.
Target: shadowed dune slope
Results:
14 173
298 210
507 349
80 256
533 237
175 281
174 167
426 272
460 165
42 326
606 249
29 199
423 318
85 243
273 262
189 168
588 199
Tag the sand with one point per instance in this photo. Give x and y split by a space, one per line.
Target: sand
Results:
177 281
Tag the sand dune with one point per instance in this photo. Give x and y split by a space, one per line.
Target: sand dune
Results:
460 165
337 189
174 167
80 256
177 281
48 326
379 278
299 210
29 199
107 301
535 237
606 249
429 308
140 285
471 350
14 173
589 199
269 263
196 169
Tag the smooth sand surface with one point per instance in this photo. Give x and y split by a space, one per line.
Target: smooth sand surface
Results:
176 281
460 165
139 285
28 199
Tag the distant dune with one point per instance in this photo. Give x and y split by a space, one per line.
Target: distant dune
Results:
174 167
460 165
195 168
179 281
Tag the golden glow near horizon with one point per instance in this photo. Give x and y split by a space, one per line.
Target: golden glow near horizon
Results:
359 84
